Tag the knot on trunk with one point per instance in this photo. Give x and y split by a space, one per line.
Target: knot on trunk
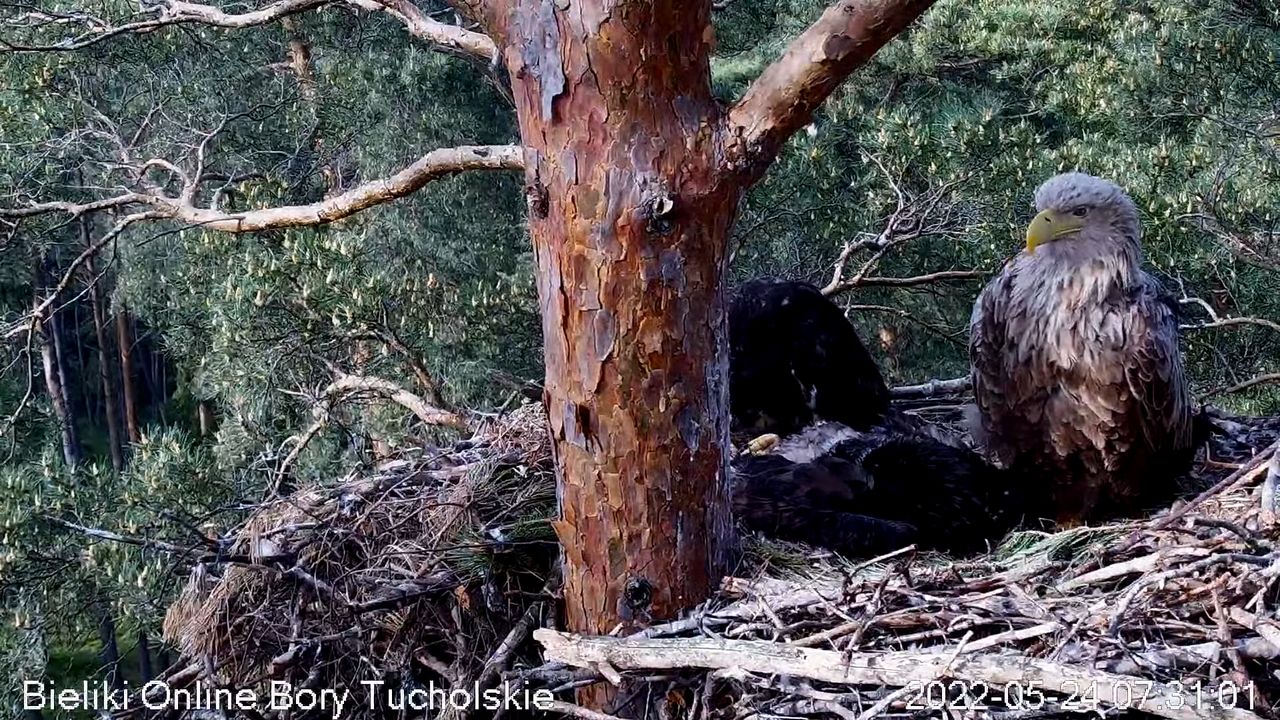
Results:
535 194
658 211
637 596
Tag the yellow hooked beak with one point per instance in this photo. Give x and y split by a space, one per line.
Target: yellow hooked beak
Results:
1051 225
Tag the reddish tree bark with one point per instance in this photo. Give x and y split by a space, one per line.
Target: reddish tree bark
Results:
629 214
634 173
124 343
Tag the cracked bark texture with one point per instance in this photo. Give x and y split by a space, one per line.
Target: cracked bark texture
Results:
629 213
633 176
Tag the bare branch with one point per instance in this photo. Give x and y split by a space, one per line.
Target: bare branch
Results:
432 166
177 12
342 389
914 216
1217 321
172 12
941 276
444 35
109 536
1264 379
347 385
933 388
783 98
72 209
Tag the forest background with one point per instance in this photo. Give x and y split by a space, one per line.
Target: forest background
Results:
181 369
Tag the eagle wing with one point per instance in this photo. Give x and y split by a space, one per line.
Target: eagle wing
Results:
1153 370
990 356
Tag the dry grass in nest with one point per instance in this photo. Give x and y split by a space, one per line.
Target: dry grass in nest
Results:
405 575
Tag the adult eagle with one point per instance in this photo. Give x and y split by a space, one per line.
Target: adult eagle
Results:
1075 363
794 358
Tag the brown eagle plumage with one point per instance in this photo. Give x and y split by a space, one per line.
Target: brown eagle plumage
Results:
1075 363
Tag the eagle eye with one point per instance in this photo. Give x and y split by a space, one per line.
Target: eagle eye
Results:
1080 211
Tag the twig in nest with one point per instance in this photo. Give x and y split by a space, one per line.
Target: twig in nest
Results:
1138 565
1251 469
502 654
1271 493
894 669
1122 606
577 711
888 700
1238 673
1250 538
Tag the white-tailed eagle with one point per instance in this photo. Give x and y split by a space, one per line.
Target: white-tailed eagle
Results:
1075 363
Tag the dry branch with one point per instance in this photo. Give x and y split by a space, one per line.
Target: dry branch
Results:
932 389
941 276
895 669
442 35
177 12
432 166
170 12
347 385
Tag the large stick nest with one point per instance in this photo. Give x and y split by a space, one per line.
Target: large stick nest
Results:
436 569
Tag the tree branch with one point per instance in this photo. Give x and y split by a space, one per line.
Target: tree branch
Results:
944 275
1264 379
931 389
172 12
783 98
432 166
444 35
177 12
349 384
109 536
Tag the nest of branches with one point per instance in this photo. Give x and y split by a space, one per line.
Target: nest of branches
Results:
441 570
404 574
1173 616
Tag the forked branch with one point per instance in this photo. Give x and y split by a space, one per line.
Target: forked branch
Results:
432 166
93 30
173 12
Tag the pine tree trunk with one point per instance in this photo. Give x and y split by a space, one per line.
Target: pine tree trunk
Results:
106 370
146 671
110 655
204 415
54 372
629 218
124 343
633 176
